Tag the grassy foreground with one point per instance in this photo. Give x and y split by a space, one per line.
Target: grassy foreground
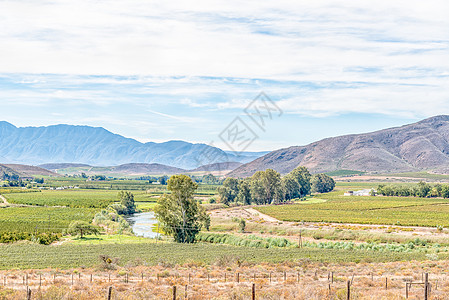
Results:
72 255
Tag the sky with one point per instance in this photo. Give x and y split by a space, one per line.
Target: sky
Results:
185 70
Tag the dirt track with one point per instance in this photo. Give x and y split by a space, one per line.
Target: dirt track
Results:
4 199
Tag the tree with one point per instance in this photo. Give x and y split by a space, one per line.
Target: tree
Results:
302 177
291 187
244 194
163 180
228 191
321 183
178 213
423 189
266 186
82 228
127 200
210 179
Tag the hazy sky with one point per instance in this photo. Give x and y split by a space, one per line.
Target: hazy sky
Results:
163 70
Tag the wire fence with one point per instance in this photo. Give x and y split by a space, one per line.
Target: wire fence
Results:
404 287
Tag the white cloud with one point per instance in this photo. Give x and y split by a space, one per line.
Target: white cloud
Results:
190 62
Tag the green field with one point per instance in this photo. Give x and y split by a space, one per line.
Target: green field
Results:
41 219
408 211
70 198
32 256
344 173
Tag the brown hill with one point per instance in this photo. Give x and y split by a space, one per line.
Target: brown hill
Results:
419 146
28 171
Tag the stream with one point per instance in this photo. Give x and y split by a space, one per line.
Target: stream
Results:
142 224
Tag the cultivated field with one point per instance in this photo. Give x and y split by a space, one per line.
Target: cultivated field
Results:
367 241
336 208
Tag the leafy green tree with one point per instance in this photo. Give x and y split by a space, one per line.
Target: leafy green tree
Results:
321 183
163 180
229 190
266 186
445 191
291 187
210 179
179 213
244 192
82 228
127 200
423 189
302 177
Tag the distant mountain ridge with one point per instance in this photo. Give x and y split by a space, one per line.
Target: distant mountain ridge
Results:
97 146
421 146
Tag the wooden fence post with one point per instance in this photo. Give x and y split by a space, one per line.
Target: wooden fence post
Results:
174 292
348 294
110 293
185 293
254 291
238 277
426 286
406 290
386 283
28 293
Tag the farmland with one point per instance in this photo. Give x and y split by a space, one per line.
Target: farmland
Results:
271 245
69 198
28 256
41 219
366 210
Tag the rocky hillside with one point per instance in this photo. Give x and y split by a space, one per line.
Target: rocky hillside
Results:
419 146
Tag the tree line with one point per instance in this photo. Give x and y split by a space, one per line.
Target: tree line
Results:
269 187
421 189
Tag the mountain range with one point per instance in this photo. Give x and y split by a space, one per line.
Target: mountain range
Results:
421 146
97 146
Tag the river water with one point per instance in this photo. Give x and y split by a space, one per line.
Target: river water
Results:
143 224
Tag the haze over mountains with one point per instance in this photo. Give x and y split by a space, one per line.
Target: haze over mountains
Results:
99 147
421 146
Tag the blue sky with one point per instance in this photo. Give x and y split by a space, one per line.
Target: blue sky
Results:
183 70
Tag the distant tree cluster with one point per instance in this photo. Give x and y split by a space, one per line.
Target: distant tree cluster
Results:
268 187
421 189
